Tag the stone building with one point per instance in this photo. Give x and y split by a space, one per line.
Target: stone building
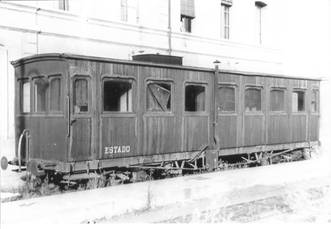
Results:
287 37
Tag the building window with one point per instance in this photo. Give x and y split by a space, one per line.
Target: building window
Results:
40 90
25 97
195 98
186 23
298 101
158 96
277 99
64 5
252 99
117 96
80 96
55 97
187 12
124 10
314 101
260 5
225 21
226 97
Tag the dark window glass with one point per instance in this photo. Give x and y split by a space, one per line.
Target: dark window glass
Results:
26 98
158 97
298 101
314 101
186 23
226 96
277 100
117 96
195 97
40 89
55 95
81 95
252 99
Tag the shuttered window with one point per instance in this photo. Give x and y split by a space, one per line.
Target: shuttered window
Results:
277 98
117 96
158 96
55 97
63 4
226 21
298 101
252 99
40 90
25 97
187 8
124 10
187 13
195 98
226 98
81 96
314 101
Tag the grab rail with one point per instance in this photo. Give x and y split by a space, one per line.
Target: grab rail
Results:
27 133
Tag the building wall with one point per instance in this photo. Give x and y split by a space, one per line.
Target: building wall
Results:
291 43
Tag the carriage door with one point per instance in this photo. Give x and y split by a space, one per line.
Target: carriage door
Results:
81 119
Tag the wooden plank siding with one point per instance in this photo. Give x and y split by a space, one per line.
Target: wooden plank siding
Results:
254 125
86 136
47 129
228 128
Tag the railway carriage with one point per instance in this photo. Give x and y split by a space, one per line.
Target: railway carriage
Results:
80 115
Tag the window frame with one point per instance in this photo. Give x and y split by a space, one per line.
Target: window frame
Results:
304 100
21 82
202 84
284 90
317 111
258 87
50 79
225 21
118 79
233 86
165 81
88 79
34 110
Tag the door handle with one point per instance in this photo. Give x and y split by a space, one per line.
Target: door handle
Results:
72 121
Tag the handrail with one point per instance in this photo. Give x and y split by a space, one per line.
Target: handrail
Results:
24 132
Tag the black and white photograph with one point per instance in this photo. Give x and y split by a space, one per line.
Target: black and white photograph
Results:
168 112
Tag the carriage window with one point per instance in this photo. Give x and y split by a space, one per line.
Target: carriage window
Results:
25 97
252 99
40 89
81 95
314 101
158 96
117 96
55 95
195 97
298 101
277 100
226 96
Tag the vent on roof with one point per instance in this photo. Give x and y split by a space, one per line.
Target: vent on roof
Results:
158 58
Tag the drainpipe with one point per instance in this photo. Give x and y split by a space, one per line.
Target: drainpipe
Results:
38 32
169 26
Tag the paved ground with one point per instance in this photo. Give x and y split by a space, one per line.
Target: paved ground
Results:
304 201
243 195
10 183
